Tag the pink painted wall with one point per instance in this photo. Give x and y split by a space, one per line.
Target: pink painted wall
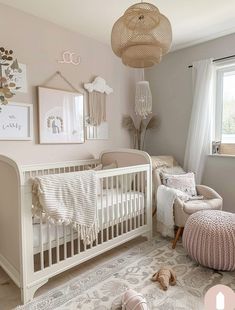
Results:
39 45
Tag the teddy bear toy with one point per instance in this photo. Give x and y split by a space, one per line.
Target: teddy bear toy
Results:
165 276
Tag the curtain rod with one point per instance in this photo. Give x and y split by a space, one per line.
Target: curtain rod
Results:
218 59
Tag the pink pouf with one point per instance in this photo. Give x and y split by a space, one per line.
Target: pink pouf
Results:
209 238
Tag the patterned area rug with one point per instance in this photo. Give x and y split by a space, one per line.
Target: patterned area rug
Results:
98 288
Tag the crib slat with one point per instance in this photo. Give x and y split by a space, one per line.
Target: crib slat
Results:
79 241
122 205
126 204
112 229
101 209
145 198
130 201
97 196
71 240
134 214
41 244
49 242
117 207
57 244
107 207
138 205
141 204
65 241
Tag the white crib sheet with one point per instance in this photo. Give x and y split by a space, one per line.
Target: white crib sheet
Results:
123 205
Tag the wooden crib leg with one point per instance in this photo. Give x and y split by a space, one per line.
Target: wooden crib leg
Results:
178 233
148 235
27 293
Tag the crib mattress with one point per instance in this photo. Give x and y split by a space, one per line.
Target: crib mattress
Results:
111 207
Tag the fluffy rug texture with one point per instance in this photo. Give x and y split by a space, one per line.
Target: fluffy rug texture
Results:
98 288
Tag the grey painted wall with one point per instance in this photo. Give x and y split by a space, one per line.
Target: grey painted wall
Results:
171 87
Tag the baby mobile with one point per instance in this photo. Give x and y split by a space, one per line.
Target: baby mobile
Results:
8 68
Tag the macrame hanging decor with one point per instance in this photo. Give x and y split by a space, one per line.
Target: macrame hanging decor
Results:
97 93
141 36
143 99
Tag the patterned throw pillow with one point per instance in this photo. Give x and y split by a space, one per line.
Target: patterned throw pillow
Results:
183 182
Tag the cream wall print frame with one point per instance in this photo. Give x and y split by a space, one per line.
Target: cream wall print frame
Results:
16 121
61 116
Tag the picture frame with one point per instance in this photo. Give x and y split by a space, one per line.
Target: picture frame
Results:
16 122
61 116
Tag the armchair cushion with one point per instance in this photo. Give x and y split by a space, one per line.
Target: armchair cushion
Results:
193 206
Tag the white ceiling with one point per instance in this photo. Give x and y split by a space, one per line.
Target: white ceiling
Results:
193 21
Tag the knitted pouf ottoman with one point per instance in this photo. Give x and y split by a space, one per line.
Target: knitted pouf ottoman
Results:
209 238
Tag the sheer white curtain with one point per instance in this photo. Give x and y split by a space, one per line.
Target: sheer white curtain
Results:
200 128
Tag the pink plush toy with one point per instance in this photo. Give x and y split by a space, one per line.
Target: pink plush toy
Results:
130 300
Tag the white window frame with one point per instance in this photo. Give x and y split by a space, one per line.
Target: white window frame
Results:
221 69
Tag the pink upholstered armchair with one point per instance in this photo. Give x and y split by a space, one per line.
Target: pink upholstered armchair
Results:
182 210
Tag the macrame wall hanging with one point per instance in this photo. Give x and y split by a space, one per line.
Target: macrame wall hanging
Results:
97 93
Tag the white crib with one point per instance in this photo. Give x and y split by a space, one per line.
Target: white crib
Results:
32 250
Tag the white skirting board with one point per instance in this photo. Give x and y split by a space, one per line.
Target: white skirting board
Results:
10 270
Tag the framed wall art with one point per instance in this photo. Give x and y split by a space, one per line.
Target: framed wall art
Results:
16 121
61 116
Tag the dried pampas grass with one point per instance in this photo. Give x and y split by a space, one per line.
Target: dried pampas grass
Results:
139 133
153 123
128 123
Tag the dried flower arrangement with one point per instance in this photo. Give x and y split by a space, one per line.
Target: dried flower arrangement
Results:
139 131
8 66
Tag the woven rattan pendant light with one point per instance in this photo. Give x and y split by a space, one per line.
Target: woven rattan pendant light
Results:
141 36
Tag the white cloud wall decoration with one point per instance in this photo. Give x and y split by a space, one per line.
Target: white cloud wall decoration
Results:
100 85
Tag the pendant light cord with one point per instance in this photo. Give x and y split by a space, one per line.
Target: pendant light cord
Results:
143 75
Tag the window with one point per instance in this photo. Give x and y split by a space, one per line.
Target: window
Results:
225 109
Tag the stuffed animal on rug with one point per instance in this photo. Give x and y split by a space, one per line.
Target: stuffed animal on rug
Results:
165 276
130 300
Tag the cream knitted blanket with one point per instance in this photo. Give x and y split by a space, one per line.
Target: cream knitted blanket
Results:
69 198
